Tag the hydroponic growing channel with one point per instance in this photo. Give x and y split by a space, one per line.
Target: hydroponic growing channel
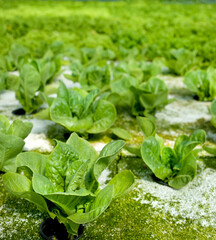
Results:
107 120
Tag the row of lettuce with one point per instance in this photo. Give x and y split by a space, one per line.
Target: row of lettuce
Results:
65 183
182 37
128 84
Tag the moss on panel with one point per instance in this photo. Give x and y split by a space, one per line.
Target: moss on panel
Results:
128 219
19 219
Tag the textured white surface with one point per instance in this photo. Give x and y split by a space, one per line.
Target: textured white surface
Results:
38 142
184 111
195 201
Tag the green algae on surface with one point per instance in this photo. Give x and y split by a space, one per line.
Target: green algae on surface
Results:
19 219
128 219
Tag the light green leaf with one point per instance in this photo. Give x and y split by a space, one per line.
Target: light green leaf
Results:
33 160
68 202
179 181
4 124
210 148
20 185
121 133
147 126
99 205
29 85
58 163
104 117
150 151
122 182
107 155
20 129
13 145
82 147
42 185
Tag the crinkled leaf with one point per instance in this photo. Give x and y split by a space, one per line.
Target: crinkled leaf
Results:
168 157
82 148
58 163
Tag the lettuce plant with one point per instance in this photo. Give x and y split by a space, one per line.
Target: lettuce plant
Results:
149 96
181 60
177 166
142 71
65 183
141 99
80 111
94 76
29 85
47 69
148 128
202 83
11 141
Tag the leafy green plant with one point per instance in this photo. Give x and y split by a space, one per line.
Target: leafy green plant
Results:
141 99
181 60
202 83
29 85
90 77
65 183
11 141
17 55
148 128
90 55
80 111
48 68
149 96
142 71
177 166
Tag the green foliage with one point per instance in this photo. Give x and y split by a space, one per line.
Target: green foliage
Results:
80 111
142 70
213 112
121 133
175 166
140 99
181 60
65 183
29 85
11 141
148 128
202 83
149 96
